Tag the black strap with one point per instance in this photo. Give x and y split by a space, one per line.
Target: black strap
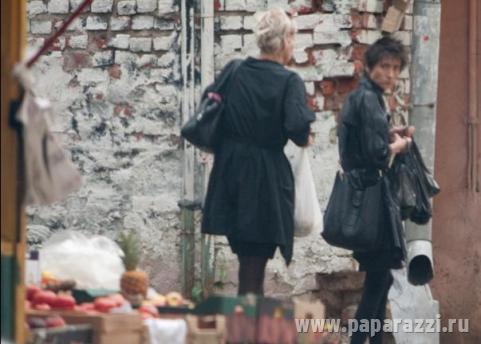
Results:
226 76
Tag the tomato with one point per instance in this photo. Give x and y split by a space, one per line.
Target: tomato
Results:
87 306
104 304
42 296
31 291
64 302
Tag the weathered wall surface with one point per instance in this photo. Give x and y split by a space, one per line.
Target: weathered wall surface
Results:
114 79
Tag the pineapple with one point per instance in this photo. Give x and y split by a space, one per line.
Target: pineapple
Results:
134 282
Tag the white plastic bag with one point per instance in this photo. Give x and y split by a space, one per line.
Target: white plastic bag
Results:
93 262
307 212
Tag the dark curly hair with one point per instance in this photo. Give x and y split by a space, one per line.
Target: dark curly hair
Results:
383 47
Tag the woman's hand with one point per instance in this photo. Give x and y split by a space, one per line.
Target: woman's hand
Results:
402 131
399 144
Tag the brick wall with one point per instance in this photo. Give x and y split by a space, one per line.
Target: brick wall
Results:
114 78
332 38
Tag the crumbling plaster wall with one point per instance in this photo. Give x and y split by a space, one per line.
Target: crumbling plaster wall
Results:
114 79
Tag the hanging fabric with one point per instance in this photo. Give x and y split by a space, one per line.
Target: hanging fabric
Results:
50 176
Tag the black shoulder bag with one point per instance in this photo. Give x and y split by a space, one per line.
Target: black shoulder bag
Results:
354 217
203 128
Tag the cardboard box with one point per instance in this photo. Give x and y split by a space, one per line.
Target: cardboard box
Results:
111 328
209 329
251 319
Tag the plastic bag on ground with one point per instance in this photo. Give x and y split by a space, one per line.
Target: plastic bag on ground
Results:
93 262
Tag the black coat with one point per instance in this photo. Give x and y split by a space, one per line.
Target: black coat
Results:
250 196
363 133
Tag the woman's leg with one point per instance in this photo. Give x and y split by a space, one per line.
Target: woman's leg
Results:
381 312
251 274
373 300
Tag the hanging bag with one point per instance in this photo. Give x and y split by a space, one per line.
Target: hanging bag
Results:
203 128
50 176
307 213
354 217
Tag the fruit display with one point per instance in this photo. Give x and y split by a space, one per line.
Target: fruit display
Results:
134 282
45 300
169 304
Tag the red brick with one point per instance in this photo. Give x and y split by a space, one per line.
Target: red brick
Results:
99 96
356 20
57 45
327 87
331 103
358 66
358 51
124 110
99 42
115 72
312 103
392 103
305 9
76 59
346 85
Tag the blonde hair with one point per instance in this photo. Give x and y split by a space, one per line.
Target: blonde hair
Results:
272 28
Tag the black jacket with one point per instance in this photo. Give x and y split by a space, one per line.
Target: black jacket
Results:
250 196
363 134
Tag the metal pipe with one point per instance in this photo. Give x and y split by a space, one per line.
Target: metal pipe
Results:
424 80
207 77
207 42
473 100
187 203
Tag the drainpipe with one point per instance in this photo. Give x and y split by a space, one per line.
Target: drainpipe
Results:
207 77
187 204
473 168
424 80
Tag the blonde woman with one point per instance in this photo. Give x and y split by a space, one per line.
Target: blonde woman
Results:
250 197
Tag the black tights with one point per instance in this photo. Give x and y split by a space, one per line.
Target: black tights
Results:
251 274
373 304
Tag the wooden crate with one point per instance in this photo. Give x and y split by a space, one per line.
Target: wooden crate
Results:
118 328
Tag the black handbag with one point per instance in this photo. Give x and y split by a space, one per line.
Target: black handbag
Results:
354 217
203 128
